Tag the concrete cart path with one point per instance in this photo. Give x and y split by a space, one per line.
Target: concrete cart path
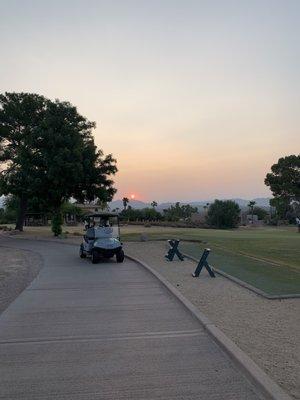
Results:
107 331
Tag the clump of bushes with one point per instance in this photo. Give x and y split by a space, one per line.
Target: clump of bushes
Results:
223 214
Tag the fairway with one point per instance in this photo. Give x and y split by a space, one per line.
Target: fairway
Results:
279 245
270 278
267 258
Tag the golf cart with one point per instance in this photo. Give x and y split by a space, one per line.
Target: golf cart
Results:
102 237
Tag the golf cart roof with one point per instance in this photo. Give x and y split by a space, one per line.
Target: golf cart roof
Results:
103 214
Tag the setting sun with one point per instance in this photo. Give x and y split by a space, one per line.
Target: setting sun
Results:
132 196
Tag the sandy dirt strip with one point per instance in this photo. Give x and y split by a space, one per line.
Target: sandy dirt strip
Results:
267 330
17 269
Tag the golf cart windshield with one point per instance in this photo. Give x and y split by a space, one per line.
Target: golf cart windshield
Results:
105 226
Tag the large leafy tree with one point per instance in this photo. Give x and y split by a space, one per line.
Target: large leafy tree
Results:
48 152
284 182
75 168
223 214
21 117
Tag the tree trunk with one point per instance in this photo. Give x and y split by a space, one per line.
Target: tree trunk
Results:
21 213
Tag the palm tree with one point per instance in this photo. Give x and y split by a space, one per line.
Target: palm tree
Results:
154 204
125 202
206 206
251 205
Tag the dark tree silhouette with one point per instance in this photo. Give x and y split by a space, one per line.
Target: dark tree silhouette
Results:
48 152
125 201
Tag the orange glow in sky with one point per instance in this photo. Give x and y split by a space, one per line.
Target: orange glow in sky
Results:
196 100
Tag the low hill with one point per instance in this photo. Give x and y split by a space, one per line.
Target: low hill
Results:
137 204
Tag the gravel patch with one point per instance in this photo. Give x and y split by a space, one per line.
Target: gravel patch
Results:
267 330
17 269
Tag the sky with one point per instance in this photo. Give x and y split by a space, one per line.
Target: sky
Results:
195 99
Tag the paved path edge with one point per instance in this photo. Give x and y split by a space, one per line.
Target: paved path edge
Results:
270 389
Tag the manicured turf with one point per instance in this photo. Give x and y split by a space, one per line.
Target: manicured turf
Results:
270 278
267 258
279 245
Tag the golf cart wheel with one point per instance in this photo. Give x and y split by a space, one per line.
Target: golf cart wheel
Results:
120 256
95 257
81 252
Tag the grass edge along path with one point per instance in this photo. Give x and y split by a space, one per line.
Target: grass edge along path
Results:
274 280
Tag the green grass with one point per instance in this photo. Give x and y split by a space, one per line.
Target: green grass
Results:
278 245
270 278
267 258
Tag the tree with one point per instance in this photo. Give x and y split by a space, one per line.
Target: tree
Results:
125 201
150 214
102 205
2 215
177 212
251 205
71 209
56 223
12 208
284 182
154 204
48 152
21 116
223 214
75 168
130 214
145 214
260 212
281 207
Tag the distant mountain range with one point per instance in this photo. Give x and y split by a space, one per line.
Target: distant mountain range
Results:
137 204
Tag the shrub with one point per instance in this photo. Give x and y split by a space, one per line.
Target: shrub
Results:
56 223
260 212
223 214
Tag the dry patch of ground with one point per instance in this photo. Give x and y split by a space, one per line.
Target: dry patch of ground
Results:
17 269
267 330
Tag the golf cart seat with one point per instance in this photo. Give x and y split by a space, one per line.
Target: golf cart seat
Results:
90 234
99 232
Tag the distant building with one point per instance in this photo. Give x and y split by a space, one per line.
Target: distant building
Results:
248 219
36 219
88 208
